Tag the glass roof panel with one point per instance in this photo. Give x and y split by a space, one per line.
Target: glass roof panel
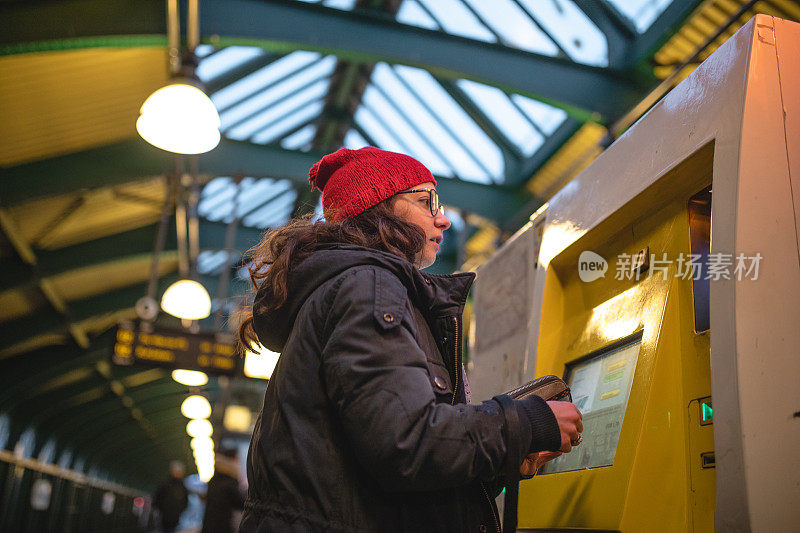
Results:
546 117
411 13
254 124
514 26
572 29
248 85
254 196
340 4
555 20
203 50
300 139
244 113
353 140
337 4
456 19
465 145
226 59
211 261
273 213
641 12
303 113
500 109
410 138
376 131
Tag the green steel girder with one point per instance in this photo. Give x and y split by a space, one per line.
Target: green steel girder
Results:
93 168
245 69
619 31
103 436
67 24
107 410
50 362
661 30
119 246
19 329
364 37
134 160
283 26
555 141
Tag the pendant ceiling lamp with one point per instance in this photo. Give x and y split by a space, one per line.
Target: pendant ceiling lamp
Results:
180 117
186 299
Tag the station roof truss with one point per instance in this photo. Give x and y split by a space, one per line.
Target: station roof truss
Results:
504 101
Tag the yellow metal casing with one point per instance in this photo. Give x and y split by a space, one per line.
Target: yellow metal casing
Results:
656 482
734 122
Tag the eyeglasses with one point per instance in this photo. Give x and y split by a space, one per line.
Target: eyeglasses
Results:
433 199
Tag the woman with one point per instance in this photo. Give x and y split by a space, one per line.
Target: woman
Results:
366 424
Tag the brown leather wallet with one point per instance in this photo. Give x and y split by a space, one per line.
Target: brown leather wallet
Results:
548 388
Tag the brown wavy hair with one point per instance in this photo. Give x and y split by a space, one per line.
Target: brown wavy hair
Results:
282 249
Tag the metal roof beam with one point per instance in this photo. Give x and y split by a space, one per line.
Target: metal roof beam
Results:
283 26
619 31
46 287
13 332
359 36
660 31
133 159
116 247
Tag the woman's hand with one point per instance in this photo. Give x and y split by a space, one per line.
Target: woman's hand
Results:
534 462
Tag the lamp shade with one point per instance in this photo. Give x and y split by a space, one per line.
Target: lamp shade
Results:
199 428
190 378
196 406
179 118
186 299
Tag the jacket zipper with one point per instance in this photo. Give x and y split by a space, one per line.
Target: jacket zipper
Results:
457 365
491 507
456 362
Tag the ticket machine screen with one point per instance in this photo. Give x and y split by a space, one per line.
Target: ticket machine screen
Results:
600 388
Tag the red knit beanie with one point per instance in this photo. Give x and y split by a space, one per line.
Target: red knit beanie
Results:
352 181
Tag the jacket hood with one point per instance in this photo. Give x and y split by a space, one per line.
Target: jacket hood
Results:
434 295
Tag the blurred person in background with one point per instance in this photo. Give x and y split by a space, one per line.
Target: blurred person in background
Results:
223 496
172 498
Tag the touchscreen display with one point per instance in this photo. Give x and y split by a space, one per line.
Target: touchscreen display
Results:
600 388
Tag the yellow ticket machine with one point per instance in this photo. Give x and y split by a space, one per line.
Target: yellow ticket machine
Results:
667 293
618 321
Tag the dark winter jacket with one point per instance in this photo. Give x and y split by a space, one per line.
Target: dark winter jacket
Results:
364 425
170 500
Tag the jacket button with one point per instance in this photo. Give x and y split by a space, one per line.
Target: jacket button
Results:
482 529
388 317
439 382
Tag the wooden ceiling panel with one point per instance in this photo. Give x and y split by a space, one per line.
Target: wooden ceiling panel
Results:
60 102
98 279
56 222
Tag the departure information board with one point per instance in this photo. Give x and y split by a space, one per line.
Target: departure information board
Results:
600 389
174 348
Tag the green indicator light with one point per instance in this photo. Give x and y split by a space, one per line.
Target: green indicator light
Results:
706 412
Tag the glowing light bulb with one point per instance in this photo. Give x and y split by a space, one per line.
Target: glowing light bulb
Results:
190 378
179 118
199 428
196 407
186 299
